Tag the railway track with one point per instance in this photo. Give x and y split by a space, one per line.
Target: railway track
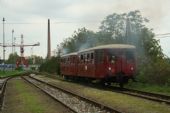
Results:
3 82
76 103
137 93
146 95
132 92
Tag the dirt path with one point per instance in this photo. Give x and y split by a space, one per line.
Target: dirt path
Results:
21 97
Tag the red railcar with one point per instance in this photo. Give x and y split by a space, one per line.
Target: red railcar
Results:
68 64
108 63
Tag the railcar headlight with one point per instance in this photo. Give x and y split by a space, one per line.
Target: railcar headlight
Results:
132 68
109 68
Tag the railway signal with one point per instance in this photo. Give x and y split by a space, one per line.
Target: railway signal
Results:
21 60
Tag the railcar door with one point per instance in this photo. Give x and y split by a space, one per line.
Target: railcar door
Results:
120 62
99 64
86 66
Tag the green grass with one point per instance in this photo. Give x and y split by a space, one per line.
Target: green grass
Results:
149 88
10 73
29 99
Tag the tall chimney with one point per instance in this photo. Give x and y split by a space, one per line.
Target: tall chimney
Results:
48 42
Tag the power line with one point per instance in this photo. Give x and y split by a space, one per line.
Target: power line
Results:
162 34
54 22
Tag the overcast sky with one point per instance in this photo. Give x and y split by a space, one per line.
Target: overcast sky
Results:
29 17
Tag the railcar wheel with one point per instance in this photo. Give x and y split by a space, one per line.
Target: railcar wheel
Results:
121 85
120 80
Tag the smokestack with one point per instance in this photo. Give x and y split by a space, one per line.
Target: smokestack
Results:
48 42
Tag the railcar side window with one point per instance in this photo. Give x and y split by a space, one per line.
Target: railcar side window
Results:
88 56
84 58
92 56
81 57
99 56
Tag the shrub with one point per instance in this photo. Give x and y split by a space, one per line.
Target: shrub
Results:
51 66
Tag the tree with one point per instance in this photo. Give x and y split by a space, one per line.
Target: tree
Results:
130 28
12 58
52 65
81 39
123 26
35 59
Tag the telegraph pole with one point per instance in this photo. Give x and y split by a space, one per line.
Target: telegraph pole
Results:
128 32
3 45
13 48
12 41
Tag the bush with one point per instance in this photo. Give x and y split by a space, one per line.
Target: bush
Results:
155 73
51 66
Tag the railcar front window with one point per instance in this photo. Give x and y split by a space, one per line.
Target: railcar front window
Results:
112 56
112 59
129 55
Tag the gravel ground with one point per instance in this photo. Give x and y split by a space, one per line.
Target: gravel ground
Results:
73 102
21 97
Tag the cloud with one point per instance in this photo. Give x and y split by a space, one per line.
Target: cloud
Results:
80 13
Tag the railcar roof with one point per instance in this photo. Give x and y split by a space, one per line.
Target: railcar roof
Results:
75 53
111 46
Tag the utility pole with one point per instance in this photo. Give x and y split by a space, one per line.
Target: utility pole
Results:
3 45
128 32
13 48
12 43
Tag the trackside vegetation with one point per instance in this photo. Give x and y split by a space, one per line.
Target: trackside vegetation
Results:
10 73
51 66
153 67
21 97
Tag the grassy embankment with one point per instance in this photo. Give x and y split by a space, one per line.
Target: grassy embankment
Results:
10 73
30 102
22 97
164 89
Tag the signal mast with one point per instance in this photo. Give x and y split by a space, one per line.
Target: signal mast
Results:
21 60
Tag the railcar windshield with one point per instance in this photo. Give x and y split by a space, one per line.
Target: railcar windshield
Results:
113 55
130 55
